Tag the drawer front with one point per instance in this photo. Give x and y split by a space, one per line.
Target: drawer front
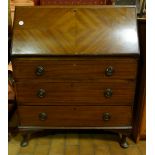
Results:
75 116
118 92
76 70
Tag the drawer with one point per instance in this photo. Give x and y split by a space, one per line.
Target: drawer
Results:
117 92
58 70
75 116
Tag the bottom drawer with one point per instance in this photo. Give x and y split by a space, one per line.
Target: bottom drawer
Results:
75 116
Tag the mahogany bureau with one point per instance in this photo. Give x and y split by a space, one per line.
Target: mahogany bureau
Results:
75 67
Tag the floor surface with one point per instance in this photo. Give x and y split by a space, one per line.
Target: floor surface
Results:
75 144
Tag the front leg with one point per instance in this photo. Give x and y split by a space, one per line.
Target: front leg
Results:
26 138
123 142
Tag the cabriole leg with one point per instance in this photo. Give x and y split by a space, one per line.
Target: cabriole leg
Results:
123 142
25 141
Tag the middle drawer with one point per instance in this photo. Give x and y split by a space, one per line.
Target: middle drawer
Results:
118 92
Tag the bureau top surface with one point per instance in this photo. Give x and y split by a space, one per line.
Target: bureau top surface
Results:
75 30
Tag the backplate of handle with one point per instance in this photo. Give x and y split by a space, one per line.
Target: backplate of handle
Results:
41 93
109 71
40 70
106 116
108 93
42 116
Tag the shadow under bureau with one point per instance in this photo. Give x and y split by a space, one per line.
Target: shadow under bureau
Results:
75 67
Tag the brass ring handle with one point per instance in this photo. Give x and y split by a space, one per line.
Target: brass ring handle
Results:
109 71
39 70
108 93
106 116
41 93
42 116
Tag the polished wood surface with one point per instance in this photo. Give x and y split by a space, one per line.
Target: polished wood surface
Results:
73 93
75 69
75 116
75 30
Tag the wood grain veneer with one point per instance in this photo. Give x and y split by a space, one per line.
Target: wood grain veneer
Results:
76 93
75 30
75 116
75 69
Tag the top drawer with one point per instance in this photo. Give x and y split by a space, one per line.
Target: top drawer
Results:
57 70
